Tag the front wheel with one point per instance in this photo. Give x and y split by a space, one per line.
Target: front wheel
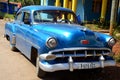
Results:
40 72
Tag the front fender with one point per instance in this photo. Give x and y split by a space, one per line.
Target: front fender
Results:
38 40
104 38
10 31
9 28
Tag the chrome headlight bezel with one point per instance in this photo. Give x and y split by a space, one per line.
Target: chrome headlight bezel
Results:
51 42
111 42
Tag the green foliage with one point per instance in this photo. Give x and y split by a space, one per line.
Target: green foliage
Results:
116 32
92 26
117 29
1 15
117 58
27 2
36 2
6 15
9 16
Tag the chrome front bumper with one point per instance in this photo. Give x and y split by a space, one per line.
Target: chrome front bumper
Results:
71 64
67 66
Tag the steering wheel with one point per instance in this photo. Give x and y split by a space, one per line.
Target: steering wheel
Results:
65 21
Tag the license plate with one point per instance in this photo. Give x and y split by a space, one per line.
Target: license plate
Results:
86 65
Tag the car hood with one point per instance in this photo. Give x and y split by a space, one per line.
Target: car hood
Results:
70 34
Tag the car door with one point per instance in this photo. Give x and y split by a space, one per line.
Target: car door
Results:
21 31
27 33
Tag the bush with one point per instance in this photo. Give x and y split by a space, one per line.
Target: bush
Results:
9 16
6 15
117 57
116 32
1 15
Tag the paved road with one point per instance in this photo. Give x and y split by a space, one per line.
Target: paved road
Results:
14 66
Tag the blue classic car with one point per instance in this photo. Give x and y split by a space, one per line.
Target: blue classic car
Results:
53 39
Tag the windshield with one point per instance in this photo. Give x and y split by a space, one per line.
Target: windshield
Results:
54 16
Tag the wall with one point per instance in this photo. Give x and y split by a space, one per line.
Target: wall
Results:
89 14
3 7
85 9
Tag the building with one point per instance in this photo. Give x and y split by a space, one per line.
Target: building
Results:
10 7
89 10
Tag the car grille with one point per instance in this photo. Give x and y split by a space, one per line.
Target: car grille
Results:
80 54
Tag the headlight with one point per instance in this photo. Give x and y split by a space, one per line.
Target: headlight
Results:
51 43
111 42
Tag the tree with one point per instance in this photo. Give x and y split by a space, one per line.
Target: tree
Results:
27 2
36 2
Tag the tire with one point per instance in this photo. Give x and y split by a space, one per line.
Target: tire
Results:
7 38
40 72
13 48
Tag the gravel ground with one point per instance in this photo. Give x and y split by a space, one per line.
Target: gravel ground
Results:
14 66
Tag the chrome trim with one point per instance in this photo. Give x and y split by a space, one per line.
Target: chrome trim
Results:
48 40
70 61
109 42
74 49
102 59
78 52
13 40
84 54
65 66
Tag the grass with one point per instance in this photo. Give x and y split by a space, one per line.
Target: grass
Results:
105 29
6 15
92 26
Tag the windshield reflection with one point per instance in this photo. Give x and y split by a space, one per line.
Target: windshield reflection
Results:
54 17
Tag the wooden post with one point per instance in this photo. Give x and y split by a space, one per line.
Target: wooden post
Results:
113 15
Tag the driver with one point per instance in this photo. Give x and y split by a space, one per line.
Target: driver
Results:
59 18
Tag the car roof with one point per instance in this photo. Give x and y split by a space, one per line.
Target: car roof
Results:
38 7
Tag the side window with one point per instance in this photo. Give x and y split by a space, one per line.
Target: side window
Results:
26 18
19 16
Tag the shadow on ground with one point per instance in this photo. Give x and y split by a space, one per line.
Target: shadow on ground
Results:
111 73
